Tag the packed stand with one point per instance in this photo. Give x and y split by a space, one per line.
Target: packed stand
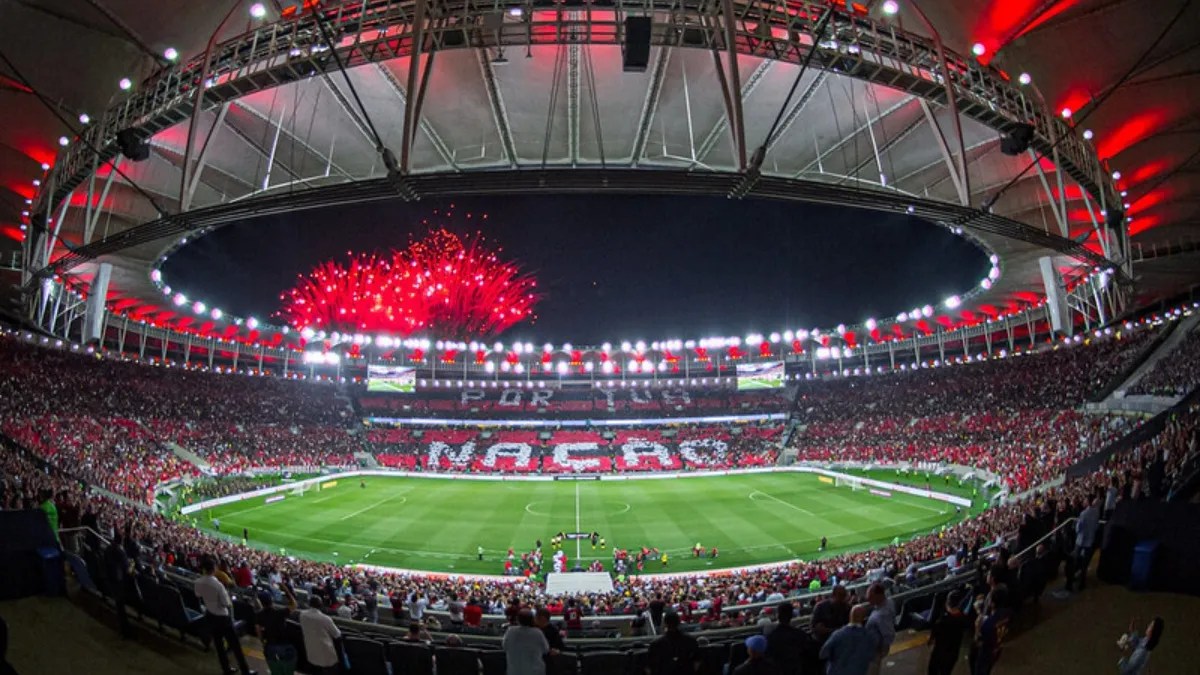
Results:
675 448
622 400
1013 417
111 422
1176 373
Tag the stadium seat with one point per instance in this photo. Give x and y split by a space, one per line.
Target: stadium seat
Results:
410 658
638 659
737 654
457 660
603 663
173 614
496 663
561 664
713 657
367 657
295 636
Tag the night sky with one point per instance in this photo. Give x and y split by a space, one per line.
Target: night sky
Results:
622 267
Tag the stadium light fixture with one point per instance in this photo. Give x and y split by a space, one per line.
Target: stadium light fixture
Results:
1124 193
85 118
872 324
252 323
216 314
978 49
985 284
1025 78
1066 113
180 300
199 307
775 337
1116 175
788 335
514 11
640 345
171 54
891 7
927 311
37 183
841 329
125 84
952 302
45 166
1087 134
258 10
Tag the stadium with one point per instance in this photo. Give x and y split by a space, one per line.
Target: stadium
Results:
408 336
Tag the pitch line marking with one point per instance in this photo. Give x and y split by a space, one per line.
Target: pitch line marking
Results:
403 499
780 501
532 512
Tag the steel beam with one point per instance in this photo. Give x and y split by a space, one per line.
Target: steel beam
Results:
496 101
426 127
650 103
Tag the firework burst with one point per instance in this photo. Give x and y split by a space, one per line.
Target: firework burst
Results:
442 284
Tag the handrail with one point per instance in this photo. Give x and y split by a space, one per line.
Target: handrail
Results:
1021 554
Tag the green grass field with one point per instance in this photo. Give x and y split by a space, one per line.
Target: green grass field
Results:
436 524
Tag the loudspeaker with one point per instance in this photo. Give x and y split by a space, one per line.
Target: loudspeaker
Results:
636 50
1017 140
132 145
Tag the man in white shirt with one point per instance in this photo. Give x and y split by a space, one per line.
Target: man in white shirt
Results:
525 647
416 608
218 615
320 637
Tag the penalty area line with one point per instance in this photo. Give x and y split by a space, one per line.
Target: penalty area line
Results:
376 504
780 501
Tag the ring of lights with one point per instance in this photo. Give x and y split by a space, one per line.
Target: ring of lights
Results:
861 48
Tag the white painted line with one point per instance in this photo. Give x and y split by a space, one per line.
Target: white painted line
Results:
780 501
364 510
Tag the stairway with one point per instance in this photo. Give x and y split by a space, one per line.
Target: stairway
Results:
188 456
366 460
1177 336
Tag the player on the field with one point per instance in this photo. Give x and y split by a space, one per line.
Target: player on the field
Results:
602 544
713 553
824 543
479 551
217 524
362 483
663 558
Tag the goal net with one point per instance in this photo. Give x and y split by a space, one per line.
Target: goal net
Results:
299 490
847 481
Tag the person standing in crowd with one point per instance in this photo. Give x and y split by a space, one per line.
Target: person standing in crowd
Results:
219 618
881 623
47 506
831 613
851 649
270 624
525 647
473 613
117 565
756 662
321 638
674 652
657 608
946 636
1085 543
1137 648
990 629
792 650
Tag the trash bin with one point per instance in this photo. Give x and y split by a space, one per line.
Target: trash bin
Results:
1143 565
53 580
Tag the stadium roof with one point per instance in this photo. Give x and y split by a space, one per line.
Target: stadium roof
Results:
534 97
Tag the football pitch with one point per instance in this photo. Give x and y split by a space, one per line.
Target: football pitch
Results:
437 524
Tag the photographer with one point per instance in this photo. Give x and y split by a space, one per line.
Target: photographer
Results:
1137 648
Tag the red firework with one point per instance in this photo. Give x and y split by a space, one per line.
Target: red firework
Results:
442 284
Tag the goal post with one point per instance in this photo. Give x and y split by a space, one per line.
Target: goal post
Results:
851 482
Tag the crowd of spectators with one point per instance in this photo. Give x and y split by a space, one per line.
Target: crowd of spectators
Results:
674 448
112 422
1176 373
1014 417
701 599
